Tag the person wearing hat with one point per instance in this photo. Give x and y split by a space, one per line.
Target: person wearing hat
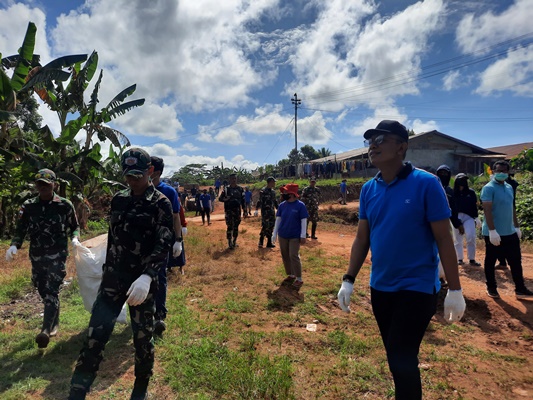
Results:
232 196
268 204
344 192
139 240
404 221
177 248
50 221
311 199
290 228
466 204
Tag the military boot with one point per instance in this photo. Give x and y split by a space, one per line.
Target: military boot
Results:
261 241
270 245
140 389
313 231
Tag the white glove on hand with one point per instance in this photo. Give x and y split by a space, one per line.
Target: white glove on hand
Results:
184 231
494 238
274 237
138 290
176 249
344 294
256 213
519 233
478 222
76 242
10 253
454 306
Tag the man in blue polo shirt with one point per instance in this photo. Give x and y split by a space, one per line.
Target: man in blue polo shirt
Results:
501 231
404 221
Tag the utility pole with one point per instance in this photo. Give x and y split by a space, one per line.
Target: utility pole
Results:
296 101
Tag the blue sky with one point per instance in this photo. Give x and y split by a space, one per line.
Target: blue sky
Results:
218 76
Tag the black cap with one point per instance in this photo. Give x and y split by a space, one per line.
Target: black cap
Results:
271 179
461 176
388 127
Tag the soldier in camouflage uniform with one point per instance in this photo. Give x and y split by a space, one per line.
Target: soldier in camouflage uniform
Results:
139 240
50 221
310 197
233 198
268 203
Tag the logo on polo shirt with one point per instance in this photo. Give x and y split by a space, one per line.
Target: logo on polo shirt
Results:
407 201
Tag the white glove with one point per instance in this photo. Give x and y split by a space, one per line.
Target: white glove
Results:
274 237
184 231
176 249
494 238
10 253
76 242
256 213
454 306
138 290
478 222
344 295
519 233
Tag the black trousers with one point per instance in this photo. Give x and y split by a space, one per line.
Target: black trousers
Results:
403 318
510 249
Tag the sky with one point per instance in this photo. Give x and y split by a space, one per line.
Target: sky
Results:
219 77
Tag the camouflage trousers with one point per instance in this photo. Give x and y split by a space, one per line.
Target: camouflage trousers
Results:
106 308
233 220
47 276
268 220
313 214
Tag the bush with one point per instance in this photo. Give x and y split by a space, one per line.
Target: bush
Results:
524 204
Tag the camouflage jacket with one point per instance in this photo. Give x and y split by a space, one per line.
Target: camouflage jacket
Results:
310 197
267 200
140 233
50 225
232 197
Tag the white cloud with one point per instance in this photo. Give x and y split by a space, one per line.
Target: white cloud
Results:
513 73
229 136
451 80
192 51
343 59
14 22
481 33
477 33
188 147
419 126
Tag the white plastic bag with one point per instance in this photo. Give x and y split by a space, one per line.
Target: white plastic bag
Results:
89 260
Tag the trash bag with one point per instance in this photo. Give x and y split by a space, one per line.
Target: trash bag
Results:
89 263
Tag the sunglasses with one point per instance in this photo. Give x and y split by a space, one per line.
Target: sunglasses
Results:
377 140
44 176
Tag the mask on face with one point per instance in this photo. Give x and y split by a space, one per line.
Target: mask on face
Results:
285 196
501 176
445 179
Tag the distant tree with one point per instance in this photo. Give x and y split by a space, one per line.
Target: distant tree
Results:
411 132
523 161
309 153
324 152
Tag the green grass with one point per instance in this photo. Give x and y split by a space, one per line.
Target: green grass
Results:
14 285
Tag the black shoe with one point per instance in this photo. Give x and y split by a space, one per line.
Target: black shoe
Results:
42 340
474 263
314 237
307 236
270 246
159 327
77 394
140 389
493 293
524 293
460 262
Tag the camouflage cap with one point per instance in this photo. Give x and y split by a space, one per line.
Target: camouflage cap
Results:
45 175
135 162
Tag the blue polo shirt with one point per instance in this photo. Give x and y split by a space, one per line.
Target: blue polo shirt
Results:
247 196
343 187
171 194
404 251
291 213
501 197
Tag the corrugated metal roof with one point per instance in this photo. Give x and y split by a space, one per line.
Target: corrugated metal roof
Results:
512 150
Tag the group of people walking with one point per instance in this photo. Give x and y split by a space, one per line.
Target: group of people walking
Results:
404 220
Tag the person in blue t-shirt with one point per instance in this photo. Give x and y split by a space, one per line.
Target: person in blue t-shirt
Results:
247 202
290 228
205 207
404 221
172 195
344 192
501 231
